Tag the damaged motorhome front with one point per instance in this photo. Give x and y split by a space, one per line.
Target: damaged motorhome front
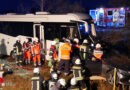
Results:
45 26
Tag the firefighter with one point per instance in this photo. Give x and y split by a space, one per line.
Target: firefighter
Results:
75 47
65 50
73 86
97 53
53 80
18 51
37 80
78 73
27 51
53 56
59 85
85 51
36 52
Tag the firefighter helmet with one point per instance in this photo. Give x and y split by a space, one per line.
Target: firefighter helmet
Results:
85 41
36 70
98 45
73 81
67 40
76 40
62 81
54 75
77 61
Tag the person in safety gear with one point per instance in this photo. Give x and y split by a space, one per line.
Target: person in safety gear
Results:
97 53
73 86
85 51
27 51
54 78
18 51
57 44
59 85
37 80
53 56
65 50
36 52
75 47
78 73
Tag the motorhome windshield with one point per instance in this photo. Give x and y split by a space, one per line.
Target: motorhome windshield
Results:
83 31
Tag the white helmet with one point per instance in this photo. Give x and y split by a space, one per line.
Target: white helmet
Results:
62 81
85 41
53 43
35 39
77 61
54 75
73 81
67 40
36 70
98 45
76 40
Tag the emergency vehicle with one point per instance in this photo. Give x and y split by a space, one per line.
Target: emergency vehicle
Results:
109 17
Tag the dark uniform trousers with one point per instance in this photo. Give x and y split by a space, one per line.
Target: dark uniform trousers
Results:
52 82
37 82
77 74
66 63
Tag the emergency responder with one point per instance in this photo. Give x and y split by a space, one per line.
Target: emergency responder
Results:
65 50
97 53
36 52
53 56
18 51
75 47
73 86
57 44
78 73
27 51
53 80
85 51
59 85
37 80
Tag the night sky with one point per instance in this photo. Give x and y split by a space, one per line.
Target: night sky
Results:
13 5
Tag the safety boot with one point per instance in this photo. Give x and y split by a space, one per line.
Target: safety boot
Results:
39 63
29 61
26 62
35 64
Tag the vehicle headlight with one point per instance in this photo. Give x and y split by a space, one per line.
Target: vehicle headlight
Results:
92 45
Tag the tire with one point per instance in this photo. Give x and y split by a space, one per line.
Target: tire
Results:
12 54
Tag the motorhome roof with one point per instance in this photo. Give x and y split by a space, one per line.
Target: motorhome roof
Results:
44 17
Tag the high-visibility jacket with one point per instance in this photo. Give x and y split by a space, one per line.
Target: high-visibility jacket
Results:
84 52
36 48
98 53
37 82
77 72
18 48
27 47
65 50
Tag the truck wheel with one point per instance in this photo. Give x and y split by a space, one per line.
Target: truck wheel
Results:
12 54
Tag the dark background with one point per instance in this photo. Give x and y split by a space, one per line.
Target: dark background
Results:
58 6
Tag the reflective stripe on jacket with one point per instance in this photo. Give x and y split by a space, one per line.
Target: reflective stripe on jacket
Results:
98 54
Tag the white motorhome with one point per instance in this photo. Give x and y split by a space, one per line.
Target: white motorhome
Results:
43 25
